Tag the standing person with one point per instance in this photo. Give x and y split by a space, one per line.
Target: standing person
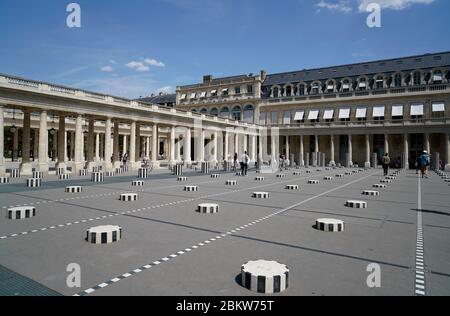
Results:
235 161
281 162
245 160
386 163
418 164
424 164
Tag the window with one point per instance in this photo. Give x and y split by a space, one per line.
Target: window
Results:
361 114
276 92
214 112
236 113
362 84
183 96
344 114
225 112
203 94
417 78
379 112
438 109
237 90
379 82
345 86
299 116
313 116
287 118
328 115
330 87
204 111
225 92
249 88
194 111
417 111
315 88
437 76
214 93
301 90
274 118
288 91
248 114
397 112
193 95
398 80
262 118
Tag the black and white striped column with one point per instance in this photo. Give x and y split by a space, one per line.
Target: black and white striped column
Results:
83 173
34 183
104 234
128 197
64 176
15 173
178 170
265 277
330 225
205 167
143 173
208 208
23 212
4 180
74 189
137 183
98 177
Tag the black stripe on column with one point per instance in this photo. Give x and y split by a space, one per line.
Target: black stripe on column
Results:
261 284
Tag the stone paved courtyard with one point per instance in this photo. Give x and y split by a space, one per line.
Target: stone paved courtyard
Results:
169 249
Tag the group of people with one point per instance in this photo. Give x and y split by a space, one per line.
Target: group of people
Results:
243 162
422 164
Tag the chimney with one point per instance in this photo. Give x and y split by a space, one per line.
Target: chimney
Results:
263 75
207 79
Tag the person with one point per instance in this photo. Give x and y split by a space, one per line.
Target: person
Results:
245 160
386 162
418 165
235 161
424 164
281 162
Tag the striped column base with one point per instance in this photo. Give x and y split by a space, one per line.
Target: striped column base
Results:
215 176
390 178
83 173
143 173
292 187
98 177
385 181
355 171
328 178
319 170
239 174
281 176
297 173
308 171
260 179
104 234
348 173
110 173
96 169
38 175
313 182
34 183
371 193
231 182
60 171
340 176
182 179
74 189
265 277
15 173
356 204
119 171
4 180
208 208
22 212
138 183
330 225
260 195
128 197
379 186
191 188
65 176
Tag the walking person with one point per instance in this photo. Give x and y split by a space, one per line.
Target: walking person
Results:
418 164
235 161
245 160
386 163
424 164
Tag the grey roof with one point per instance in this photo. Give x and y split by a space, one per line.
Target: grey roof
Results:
368 68
160 99
222 80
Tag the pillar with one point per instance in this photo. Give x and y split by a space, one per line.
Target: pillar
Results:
187 147
236 144
226 146
55 146
132 158
116 157
25 167
35 144
406 151
155 146
386 143
124 145
447 152
172 160
215 144
427 143
202 145
350 150
2 143
65 147
16 146
90 145
147 147
302 151
367 163
72 146
108 146
253 148
288 151
78 158
43 143
138 142
332 157
97 147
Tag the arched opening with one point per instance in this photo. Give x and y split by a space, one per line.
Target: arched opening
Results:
249 114
398 80
225 112
204 111
236 113
276 92
214 112
417 78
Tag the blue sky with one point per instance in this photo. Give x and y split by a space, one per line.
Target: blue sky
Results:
136 47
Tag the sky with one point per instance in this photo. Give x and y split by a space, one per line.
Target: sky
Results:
137 47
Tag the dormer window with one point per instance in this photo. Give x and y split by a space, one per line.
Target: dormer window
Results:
437 76
315 88
237 90
203 94
214 93
346 86
301 89
330 86
183 96
288 91
193 95
417 78
276 92
398 80
362 84
379 82
225 92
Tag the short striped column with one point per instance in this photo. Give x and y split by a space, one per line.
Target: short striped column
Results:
137 183
34 183
128 197
178 170
15 173
74 189
38 175
208 208
308 171
191 188
385 181
143 173
348 173
119 170
215 176
97 177
110 174
83 173
60 171
313 181
340 175
356 204
238 174
231 182
64 176
371 193
379 186
297 173
4 180
260 195
182 179
330 225
292 187
260 179
22 212
125 168
104 234
265 277
205 167
328 178
281 175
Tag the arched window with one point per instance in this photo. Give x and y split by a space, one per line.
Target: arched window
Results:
362 85
315 88
301 89
214 112
398 80
379 82
276 92
437 76
204 111
417 78
346 85
288 91
248 114
330 86
236 113
194 111
225 112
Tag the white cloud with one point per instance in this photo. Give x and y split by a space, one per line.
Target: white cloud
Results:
154 62
341 6
166 90
107 69
112 61
138 66
391 4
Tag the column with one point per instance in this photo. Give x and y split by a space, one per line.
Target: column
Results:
187 147
350 150
215 143
55 146
108 144
447 152
226 146
65 147
43 143
16 145
155 146
25 167
202 145
245 143
90 145
302 151
172 160
332 157
427 143
367 163
35 144
288 150
386 144
72 146
138 142
2 143
97 147
124 145
406 150
147 147
236 144
179 145
116 145
78 159
253 148
132 158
